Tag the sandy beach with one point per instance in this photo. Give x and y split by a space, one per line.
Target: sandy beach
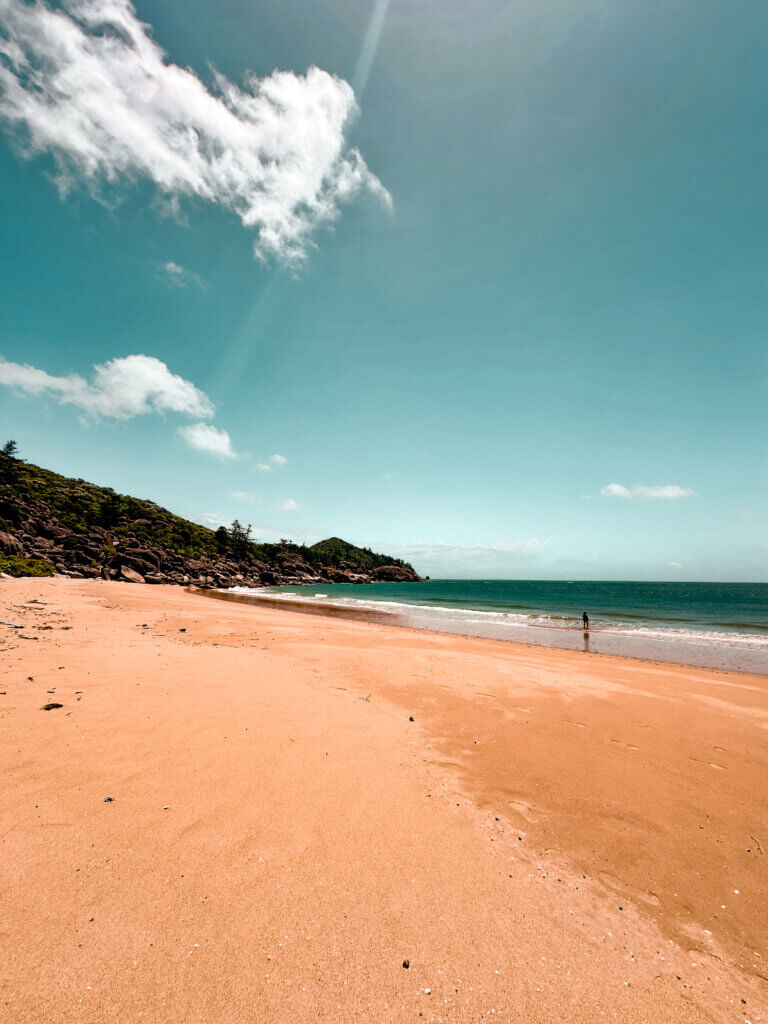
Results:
237 813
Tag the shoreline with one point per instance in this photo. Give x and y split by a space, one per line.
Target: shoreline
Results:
667 651
300 804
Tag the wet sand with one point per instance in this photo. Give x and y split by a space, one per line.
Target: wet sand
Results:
556 836
729 653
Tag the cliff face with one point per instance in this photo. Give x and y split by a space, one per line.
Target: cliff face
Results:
53 523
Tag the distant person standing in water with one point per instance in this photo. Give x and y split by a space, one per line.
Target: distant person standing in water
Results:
585 620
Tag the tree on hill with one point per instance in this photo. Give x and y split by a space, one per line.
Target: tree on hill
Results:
240 539
9 462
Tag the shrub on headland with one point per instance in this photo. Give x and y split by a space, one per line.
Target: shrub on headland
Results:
18 565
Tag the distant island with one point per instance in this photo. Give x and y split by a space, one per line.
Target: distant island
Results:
53 524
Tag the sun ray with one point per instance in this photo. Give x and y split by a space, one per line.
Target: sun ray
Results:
370 47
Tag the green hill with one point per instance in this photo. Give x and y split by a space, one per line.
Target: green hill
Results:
50 522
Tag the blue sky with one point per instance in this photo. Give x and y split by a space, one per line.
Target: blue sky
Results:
491 282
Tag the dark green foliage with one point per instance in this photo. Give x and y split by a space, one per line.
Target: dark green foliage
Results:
240 543
334 551
80 507
9 463
17 565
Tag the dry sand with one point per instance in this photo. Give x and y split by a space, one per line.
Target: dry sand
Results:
555 837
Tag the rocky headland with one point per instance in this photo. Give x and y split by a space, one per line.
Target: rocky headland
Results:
54 524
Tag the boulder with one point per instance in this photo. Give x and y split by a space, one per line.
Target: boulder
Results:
10 545
147 555
132 561
394 574
130 575
78 557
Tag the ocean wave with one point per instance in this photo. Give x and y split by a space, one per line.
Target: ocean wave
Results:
629 626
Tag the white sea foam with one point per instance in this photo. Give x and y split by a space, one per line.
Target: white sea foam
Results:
464 617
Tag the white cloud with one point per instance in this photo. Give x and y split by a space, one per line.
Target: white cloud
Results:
120 389
179 276
497 559
204 437
529 544
459 552
287 505
274 460
247 496
668 492
87 83
675 565
123 388
213 520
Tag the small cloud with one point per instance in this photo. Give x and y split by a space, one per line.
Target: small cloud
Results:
179 276
268 465
668 492
675 565
528 544
287 505
204 437
455 552
389 476
213 520
749 513
247 496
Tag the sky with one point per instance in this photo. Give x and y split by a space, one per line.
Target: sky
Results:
479 285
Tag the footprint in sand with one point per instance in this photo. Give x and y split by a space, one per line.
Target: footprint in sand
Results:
524 809
649 898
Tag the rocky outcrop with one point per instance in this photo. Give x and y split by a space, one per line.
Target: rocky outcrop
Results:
36 528
394 574
101 554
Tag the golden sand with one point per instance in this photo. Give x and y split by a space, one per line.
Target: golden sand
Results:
554 837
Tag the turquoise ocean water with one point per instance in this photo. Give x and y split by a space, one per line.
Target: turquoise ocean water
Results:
719 625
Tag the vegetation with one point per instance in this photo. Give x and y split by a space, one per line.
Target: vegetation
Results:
80 507
334 551
17 565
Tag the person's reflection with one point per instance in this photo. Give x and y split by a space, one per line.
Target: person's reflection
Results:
586 641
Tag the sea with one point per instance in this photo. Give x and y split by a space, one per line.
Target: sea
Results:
712 625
